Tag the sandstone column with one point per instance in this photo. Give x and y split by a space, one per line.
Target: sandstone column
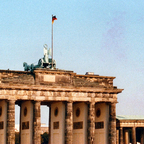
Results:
121 135
11 122
133 135
112 123
117 137
20 123
69 123
91 122
36 123
49 125
126 136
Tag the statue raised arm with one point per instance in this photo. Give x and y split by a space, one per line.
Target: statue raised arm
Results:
47 53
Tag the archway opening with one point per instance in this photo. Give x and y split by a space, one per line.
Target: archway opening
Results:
17 123
44 124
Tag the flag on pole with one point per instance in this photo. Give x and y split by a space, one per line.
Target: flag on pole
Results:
53 19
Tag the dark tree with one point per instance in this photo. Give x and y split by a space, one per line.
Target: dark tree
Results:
16 137
45 138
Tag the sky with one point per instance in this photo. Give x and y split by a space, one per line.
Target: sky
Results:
101 36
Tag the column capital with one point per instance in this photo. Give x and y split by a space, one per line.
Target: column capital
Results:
11 100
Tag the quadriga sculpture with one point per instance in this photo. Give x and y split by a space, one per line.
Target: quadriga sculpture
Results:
44 62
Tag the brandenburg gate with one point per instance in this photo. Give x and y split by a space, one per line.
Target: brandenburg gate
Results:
82 107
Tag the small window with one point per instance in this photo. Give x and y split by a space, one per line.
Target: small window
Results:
98 112
77 112
0 110
25 111
56 111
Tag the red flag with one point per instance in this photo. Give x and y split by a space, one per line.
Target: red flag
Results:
53 19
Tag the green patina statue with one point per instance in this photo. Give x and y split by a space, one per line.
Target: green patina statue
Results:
44 62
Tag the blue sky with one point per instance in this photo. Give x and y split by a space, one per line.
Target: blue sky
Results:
101 36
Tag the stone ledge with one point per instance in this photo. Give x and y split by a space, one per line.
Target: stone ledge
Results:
59 88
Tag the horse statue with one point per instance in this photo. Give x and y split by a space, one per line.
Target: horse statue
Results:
44 62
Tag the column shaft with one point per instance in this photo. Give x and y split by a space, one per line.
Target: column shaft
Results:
91 122
121 135
11 122
126 136
133 135
49 125
117 137
37 123
20 124
112 123
69 123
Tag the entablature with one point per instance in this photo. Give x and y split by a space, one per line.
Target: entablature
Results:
130 123
56 85
56 93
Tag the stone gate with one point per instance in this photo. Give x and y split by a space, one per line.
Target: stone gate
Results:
82 107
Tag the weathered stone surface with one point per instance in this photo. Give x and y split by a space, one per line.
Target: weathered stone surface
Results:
56 85
91 122
36 123
55 78
112 123
69 123
16 77
47 86
11 122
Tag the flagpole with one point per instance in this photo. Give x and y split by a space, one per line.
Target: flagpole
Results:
52 44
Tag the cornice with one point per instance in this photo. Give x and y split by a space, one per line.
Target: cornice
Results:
59 88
